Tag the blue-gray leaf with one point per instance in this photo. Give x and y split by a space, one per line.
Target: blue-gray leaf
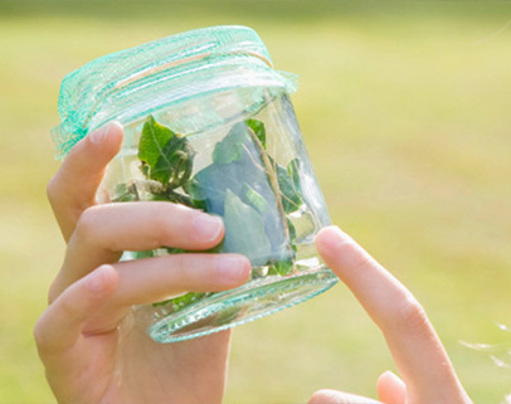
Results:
244 231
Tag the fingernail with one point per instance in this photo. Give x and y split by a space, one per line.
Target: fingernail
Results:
207 227
231 268
96 280
99 135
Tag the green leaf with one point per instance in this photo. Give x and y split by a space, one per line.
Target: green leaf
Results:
254 198
248 179
293 169
230 148
292 229
244 231
282 268
291 196
144 254
177 161
210 184
259 130
179 303
166 156
124 193
152 141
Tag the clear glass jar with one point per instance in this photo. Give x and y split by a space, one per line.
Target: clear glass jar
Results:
209 124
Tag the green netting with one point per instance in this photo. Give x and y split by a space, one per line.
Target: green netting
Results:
132 83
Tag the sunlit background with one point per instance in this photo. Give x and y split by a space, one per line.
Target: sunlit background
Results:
406 111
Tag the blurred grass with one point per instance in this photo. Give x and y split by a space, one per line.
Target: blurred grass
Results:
405 110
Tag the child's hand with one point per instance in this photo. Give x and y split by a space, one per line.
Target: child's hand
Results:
86 339
428 375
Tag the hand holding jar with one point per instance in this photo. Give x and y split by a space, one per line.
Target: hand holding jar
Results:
87 338
93 352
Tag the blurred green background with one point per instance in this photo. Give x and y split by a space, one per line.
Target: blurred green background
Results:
406 111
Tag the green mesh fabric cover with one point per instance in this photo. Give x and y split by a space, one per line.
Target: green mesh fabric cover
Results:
129 84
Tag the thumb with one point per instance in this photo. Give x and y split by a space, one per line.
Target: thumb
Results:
73 188
391 389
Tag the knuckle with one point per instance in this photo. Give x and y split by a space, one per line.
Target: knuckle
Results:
189 272
411 318
44 343
157 219
39 334
362 262
57 287
69 308
171 223
52 189
161 230
179 262
52 292
86 226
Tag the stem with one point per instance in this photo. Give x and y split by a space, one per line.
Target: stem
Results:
178 198
272 175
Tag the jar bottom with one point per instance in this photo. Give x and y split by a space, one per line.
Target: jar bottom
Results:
252 301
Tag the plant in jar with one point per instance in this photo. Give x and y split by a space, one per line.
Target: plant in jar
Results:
243 184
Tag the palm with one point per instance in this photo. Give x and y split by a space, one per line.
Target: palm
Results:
125 366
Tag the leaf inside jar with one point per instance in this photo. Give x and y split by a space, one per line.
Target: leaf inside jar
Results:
244 185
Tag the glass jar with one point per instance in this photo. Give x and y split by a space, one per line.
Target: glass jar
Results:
208 124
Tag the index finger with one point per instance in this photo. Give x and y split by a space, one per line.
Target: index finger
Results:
414 344
73 188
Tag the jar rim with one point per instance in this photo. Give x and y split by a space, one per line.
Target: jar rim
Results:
171 65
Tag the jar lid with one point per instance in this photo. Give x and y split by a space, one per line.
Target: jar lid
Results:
132 83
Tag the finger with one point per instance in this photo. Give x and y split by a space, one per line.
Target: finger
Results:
104 231
391 389
419 354
74 187
61 325
337 397
157 279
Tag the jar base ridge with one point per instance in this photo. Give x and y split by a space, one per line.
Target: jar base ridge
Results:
235 307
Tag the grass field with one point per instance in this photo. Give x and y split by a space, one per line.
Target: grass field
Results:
405 108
